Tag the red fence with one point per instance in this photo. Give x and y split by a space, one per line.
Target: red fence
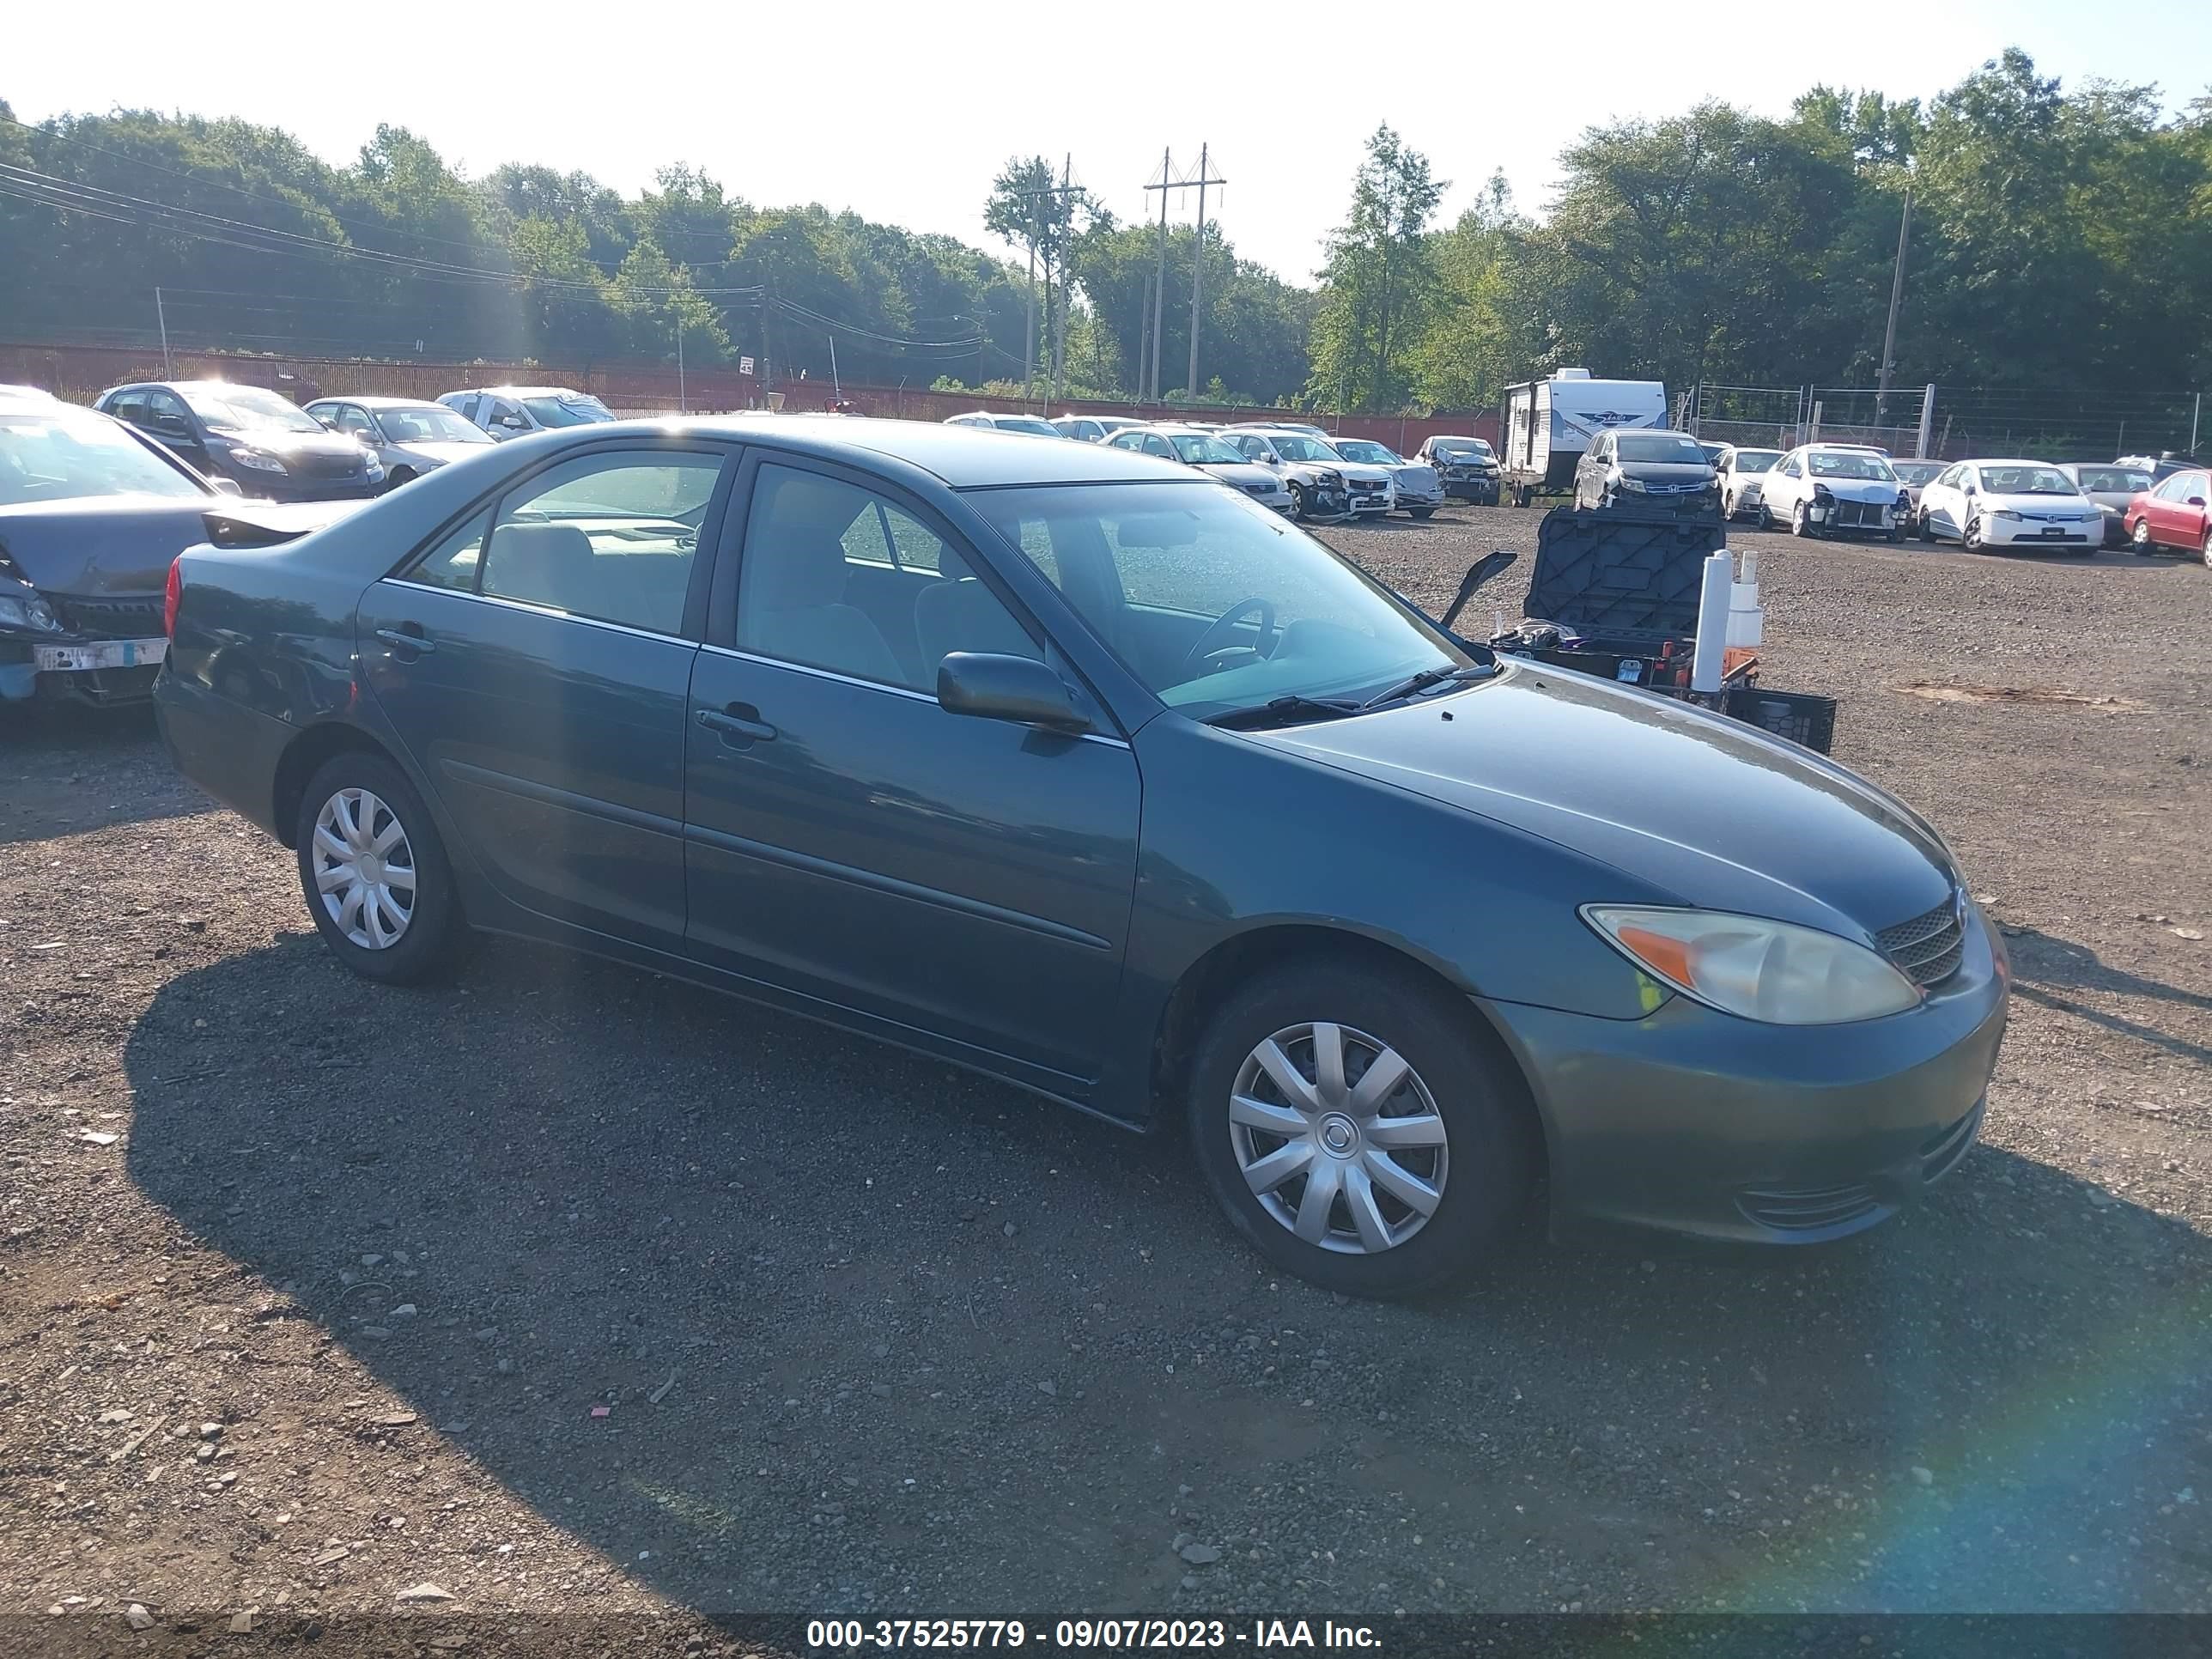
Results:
80 373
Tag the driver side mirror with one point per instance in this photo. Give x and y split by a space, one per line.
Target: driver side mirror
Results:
994 687
227 487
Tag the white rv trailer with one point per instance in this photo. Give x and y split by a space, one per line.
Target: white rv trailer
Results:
1549 423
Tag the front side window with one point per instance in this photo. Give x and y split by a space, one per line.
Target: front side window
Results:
2113 480
1753 461
351 417
1295 446
1198 450
1128 440
837 577
1152 567
1156 445
2181 486
612 536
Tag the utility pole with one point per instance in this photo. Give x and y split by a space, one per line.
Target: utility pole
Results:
1059 321
682 401
1896 294
1144 336
1160 276
1036 234
837 386
1198 270
160 316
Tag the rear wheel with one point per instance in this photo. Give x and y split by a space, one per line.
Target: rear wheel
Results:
1357 1129
375 873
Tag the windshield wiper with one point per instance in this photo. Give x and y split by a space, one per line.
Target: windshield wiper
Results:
1283 711
1424 679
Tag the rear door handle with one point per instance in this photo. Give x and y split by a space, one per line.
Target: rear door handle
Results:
402 639
740 725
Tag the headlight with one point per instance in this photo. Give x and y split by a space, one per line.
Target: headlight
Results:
1822 493
1636 486
374 468
1772 971
28 612
2010 516
257 460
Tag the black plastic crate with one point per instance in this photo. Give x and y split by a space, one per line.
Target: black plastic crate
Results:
1798 716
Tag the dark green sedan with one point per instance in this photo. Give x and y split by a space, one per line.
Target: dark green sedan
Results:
1061 764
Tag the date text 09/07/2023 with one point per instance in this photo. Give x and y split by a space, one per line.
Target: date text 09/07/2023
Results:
1111 1634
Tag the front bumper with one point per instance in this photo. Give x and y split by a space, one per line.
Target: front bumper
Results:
1420 498
1696 1123
1472 487
267 486
1999 532
1841 517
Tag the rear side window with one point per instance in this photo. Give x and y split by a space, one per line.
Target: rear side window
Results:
612 536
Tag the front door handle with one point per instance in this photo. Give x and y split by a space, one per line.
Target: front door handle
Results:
740 725
410 638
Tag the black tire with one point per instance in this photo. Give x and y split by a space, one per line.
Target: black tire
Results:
1896 533
1971 538
1765 516
1801 521
398 476
1924 530
2139 539
434 930
1299 511
1422 512
2204 552
1489 1122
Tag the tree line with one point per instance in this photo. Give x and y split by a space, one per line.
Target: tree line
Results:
2060 239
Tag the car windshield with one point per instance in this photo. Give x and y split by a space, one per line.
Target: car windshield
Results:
247 408
573 409
1669 447
1459 448
1756 460
1156 569
1916 472
1023 424
1849 464
428 423
1199 450
2026 481
2112 480
1366 449
1297 447
57 452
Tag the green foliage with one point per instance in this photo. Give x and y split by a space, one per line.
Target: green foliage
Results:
1380 282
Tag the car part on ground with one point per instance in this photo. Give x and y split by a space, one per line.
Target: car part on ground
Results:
1115 875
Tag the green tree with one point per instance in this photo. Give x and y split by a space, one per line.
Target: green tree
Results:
1380 279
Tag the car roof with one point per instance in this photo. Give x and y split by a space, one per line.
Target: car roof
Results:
369 401
512 391
963 457
2001 460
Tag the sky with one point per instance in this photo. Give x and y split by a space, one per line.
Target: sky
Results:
905 113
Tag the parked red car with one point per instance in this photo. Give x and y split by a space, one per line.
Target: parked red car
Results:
2173 515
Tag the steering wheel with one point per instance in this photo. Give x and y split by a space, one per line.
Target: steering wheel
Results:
1225 625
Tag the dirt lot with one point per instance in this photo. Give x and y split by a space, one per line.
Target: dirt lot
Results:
312 1293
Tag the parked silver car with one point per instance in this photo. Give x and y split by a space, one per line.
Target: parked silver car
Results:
1209 453
1368 490
1419 487
509 411
1468 465
410 437
1028 425
2111 485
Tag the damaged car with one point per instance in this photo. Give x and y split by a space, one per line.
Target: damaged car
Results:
91 515
1418 487
1469 466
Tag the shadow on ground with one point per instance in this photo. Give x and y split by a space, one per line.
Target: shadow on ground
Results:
935 1345
49 753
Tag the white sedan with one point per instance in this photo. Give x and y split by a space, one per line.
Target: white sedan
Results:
2009 504
1825 490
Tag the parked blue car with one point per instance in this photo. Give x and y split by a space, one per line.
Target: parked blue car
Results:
1055 761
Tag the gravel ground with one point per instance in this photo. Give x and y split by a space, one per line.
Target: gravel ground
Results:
567 1290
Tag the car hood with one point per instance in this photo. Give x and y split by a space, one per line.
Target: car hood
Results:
432 455
121 545
2042 507
1362 472
1860 489
286 445
1478 463
1417 476
1244 474
1664 472
1705 810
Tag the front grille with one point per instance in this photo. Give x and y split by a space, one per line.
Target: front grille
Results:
1809 1209
1855 515
109 619
1941 1153
327 466
1927 950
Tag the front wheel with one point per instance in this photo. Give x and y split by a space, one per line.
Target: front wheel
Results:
1357 1129
396 477
1801 521
2204 549
1921 528
1299 511
2139 538
375 873
1765 516
1971 541
1422 512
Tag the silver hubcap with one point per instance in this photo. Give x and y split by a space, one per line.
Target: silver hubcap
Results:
1338 1137
364 869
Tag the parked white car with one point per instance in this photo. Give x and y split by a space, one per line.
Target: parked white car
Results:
509 411
1417 487
410 437
1092 428
1824 490
1368 490
1205 451
1743 475
1028 425
2009 504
